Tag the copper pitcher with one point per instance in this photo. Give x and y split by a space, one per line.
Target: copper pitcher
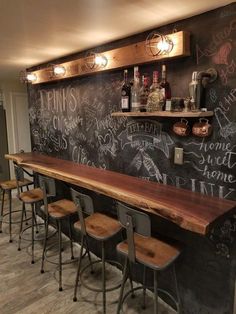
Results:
202 128
181 128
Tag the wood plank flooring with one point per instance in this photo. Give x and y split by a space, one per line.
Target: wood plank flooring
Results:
24 290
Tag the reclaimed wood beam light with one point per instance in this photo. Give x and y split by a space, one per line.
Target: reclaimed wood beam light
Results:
129 55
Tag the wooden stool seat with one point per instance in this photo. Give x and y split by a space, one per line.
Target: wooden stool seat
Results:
31 196
7 187
100 226
12 184
151 252
61 208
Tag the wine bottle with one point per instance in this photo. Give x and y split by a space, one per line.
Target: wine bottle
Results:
165 85
155 98
126 94
135 93
144 92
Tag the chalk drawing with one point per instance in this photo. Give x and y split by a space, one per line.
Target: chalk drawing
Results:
108 144
227 127
143 160
146 134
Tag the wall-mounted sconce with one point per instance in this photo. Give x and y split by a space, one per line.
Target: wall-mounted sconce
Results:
95 60
157 44
155 48
28 77
59 70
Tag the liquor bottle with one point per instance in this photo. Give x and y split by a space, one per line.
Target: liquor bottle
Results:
155 100
144 92
135 93
165 85
126 94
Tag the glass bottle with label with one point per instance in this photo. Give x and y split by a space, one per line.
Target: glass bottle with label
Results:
135 93
144 92
126 94
155 100
165 85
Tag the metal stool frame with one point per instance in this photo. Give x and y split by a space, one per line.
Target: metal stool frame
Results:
85 206
135 221
19 174
49 191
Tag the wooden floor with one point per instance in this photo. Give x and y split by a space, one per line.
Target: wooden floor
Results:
24 290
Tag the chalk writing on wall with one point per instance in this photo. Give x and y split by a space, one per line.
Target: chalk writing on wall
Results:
72 120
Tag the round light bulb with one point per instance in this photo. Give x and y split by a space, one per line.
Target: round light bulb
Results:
59 70
31 77
100 60
164 46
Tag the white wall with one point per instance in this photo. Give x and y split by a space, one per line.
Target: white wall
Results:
9 89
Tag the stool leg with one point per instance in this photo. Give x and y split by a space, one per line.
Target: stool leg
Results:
44 244
71 242
103 278
35 219
10 215
131 280
32 234
25 214
78 269
60 259
2 206
144 288
89 256
21 225
124 279
177 290
155 293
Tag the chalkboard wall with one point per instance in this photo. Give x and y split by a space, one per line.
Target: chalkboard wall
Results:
71 119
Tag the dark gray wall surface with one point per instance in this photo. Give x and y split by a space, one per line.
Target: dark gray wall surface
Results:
4 167
71 119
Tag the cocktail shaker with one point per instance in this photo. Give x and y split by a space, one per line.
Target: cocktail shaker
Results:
195 91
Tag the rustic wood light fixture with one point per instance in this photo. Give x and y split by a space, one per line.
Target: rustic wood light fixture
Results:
126 56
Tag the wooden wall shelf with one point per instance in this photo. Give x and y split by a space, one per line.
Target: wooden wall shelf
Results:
167 114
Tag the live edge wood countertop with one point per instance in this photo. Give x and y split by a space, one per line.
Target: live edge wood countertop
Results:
190 210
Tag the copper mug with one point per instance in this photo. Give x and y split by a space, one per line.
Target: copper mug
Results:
202 128
181 128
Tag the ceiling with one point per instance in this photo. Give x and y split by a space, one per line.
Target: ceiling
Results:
36 31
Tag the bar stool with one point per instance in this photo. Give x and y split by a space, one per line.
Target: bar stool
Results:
143 249
57 211
29 197
99 227
7 187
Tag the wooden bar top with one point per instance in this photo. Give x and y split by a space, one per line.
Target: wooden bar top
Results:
190 210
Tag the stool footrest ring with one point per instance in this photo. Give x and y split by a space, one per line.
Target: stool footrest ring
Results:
47 258
94 288
15 221
159 289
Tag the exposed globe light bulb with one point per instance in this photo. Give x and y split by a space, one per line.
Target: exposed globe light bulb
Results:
164 45
31 77
59 70
100 60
